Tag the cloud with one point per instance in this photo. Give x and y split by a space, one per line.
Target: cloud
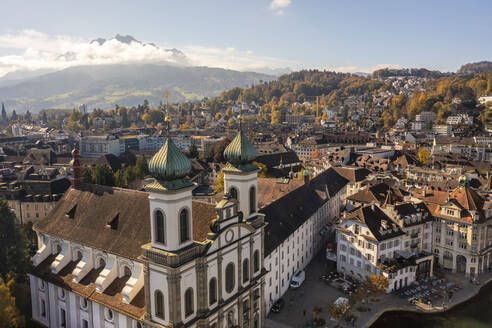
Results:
279 5
33 50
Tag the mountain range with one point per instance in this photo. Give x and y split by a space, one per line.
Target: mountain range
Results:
126 84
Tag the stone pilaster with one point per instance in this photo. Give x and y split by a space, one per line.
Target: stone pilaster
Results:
174 288
202 285
148 307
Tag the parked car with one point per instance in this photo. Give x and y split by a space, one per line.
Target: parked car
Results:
298 279
278 305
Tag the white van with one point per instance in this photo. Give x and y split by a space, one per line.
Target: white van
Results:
298 279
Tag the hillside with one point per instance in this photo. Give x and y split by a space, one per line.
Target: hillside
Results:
104 86
390 98
475 67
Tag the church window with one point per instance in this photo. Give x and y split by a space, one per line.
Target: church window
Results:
108 314
252 200
229 277
189 302
233 193
159 304
63 318
212 291
79 256
184 229
43 308
159 227
245 270
256 260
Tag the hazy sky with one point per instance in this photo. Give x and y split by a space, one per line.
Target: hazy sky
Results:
342 35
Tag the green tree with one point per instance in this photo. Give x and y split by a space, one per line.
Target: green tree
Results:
192 151
14 255
102 175
119 179
141 167
10 316
87 174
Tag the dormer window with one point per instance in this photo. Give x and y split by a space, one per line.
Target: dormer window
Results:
71 213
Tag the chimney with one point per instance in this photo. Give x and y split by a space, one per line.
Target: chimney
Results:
76 169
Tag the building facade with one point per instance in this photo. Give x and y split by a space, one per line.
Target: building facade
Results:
111 257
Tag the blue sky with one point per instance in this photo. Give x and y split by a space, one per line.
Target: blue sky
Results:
341 35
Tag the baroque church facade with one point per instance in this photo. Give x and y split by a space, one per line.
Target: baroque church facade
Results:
112 257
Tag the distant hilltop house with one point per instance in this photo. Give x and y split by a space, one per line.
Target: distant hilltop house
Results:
484 99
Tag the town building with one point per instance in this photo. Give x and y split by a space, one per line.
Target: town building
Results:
298 224
95 146
370 242
462 234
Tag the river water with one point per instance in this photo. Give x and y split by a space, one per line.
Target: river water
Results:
475 313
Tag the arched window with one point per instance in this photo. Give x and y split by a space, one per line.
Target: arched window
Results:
159 304
159 228
212 291
252 200
184 229
233 193
189 302
256 260
229 277
79 256
245 270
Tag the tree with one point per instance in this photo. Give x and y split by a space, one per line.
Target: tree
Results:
103 175
10 316
376 284
119 180
4 114
276 115
219 150
263 169
339 310
192 151
141 168
218 185
74 121
87 174
424 155
14 255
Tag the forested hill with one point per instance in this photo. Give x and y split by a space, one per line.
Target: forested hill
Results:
403 97
475 67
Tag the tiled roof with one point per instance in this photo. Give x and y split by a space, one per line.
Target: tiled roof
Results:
94 206
375 219
289 212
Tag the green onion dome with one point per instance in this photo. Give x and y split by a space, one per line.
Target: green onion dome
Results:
240 150
169 163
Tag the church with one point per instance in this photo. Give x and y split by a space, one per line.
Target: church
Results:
111 257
